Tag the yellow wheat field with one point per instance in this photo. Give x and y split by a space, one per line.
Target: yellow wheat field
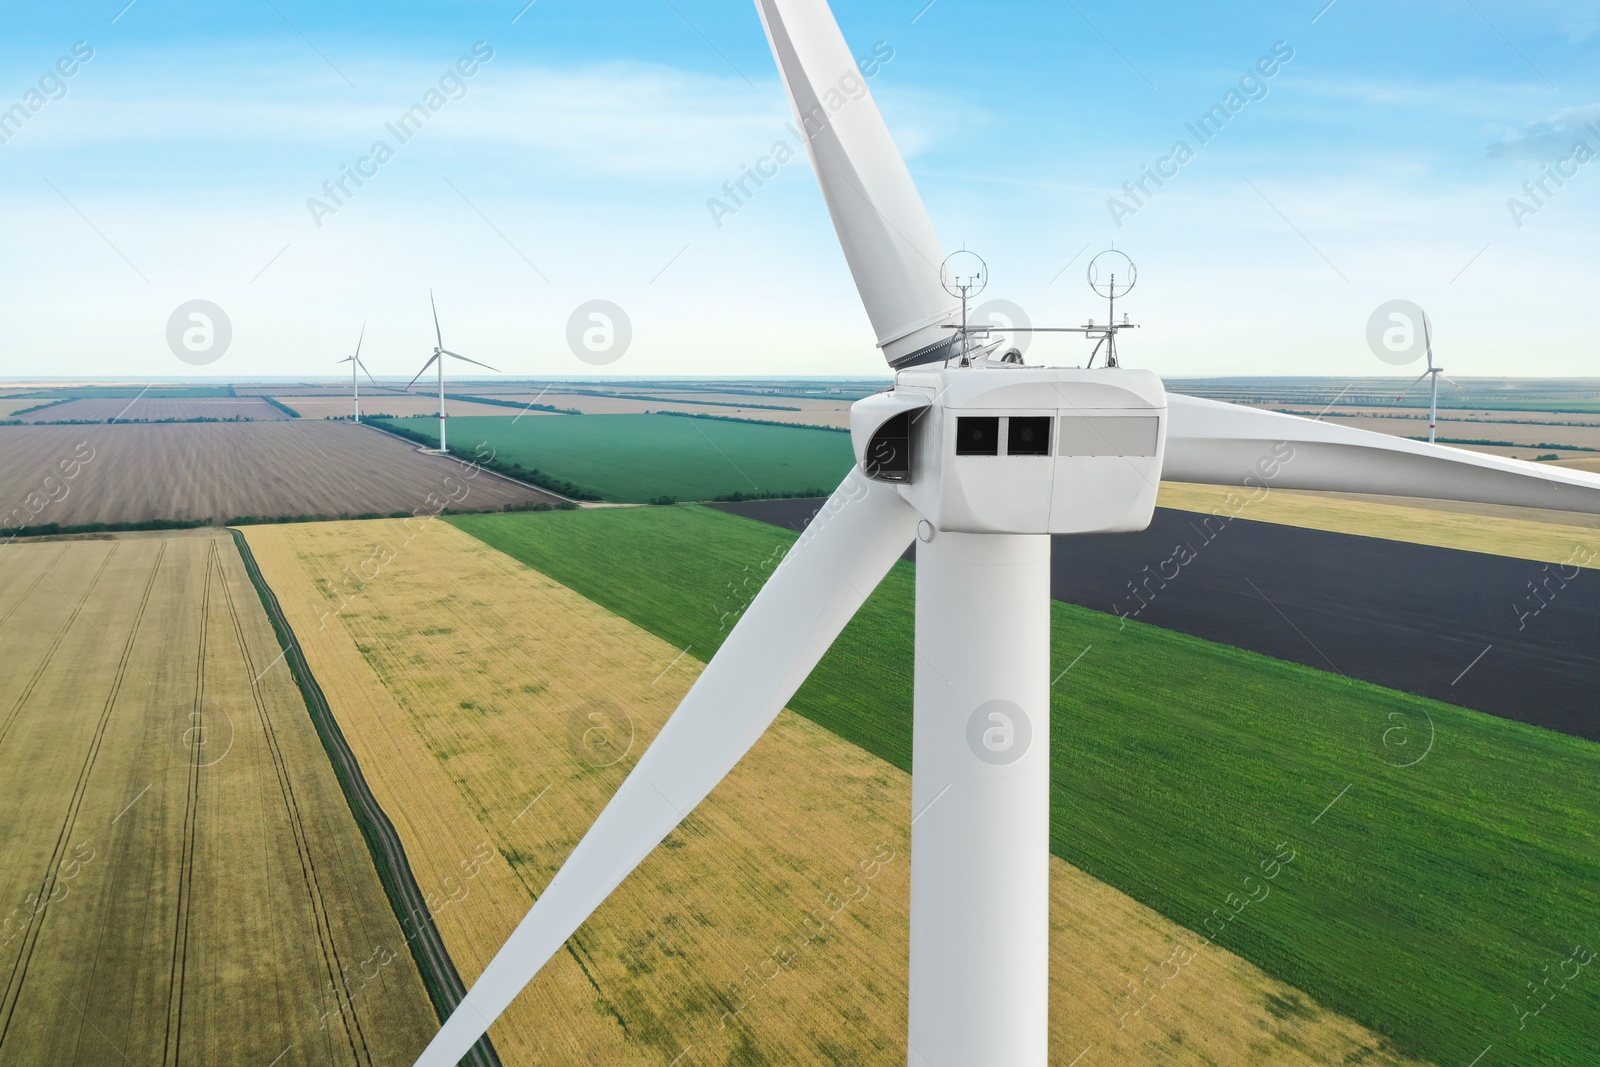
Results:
1546 537
180 877
494 712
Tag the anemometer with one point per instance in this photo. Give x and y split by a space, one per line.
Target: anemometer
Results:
1103 280
1111 274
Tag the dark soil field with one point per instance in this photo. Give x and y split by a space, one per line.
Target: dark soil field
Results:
75 475
1404 616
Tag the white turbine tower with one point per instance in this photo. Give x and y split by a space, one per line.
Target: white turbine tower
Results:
952 457
437 359
355 362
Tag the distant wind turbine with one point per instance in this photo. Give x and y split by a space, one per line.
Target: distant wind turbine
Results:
1436 373
1432 372
355 362
439 352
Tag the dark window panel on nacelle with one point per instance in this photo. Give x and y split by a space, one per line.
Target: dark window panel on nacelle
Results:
978 435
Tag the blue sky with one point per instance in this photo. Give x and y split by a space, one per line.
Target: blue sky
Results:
577 162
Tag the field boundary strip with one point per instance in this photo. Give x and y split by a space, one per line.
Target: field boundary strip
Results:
327 943
439 975
482 466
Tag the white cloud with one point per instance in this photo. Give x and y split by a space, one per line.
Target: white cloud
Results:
630 120
1551 138
198 171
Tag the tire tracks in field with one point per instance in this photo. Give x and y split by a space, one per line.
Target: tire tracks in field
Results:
331 957
44 663
439 975
191 803
48 567
178 973
19 970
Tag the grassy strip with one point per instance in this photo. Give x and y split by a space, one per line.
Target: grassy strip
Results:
753 422
1503 444
122 392
509 404
515 471
1310 414
639 458
664 400
439 976
281 406
272 520
119 421
37 407
1420 904
52 529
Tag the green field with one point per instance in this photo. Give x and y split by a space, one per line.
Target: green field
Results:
1422 904
637 458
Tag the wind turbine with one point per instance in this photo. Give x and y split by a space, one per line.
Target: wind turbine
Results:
949 459
1432 372
355 362
437 359
1435 373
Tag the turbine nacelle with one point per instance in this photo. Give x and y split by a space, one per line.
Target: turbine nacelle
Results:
1021 450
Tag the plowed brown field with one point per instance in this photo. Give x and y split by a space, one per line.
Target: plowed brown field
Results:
134 473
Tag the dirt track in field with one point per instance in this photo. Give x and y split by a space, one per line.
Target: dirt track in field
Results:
135 473
154 409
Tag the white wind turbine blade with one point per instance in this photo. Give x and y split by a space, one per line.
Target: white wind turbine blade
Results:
1472 405
1413 385
424 369
464 359
1406 391
838 561
437 333
1228 444
356 358
888 239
